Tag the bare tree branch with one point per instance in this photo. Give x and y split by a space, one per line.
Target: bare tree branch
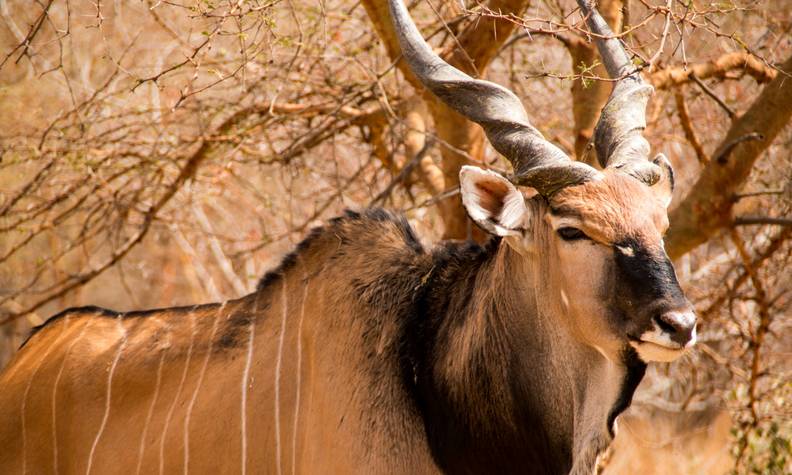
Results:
714 96
718 68
687 126
707 209
752 220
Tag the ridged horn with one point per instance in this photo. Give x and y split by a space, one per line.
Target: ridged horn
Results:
618 135
536 162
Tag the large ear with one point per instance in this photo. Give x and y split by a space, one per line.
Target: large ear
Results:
664 187
493 202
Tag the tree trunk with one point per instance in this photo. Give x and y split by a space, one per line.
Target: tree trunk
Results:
461 141
588 97
707 209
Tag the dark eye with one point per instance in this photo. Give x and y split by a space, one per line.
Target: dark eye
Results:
571 234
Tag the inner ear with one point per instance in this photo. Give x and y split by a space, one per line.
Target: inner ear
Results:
492 201
492 195
664 187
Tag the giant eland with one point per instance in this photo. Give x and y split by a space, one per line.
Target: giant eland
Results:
367 352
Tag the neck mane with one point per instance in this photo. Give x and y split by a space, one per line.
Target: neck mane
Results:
500 384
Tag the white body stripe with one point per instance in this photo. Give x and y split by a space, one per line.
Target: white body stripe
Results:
108 394
197 388
54 398
284 307
27 391
176 397
299 376
244 389
142 448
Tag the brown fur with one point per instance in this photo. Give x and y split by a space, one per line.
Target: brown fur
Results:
334 282
613 208
361 353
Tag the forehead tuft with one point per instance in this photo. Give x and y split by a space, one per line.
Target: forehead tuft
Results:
614 208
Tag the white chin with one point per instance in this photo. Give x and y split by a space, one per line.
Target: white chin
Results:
649 352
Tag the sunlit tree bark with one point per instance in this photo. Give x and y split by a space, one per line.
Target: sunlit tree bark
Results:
708 208
461 140
589 96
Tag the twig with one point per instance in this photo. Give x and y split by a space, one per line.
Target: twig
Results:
714 96
721 360
25 43
742 63
663 38
751 220
435 199
775 244
530 34
404 173
757 339
724 153
687 126
748 194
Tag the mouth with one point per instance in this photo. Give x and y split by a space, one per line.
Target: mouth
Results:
650 351
658 345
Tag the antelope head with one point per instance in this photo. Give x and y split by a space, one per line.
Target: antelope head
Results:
593 240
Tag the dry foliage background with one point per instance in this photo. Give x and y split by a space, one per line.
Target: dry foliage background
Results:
159 153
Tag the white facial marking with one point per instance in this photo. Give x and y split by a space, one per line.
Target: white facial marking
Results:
564 300
659 337
649 352
656 344
626 250
693 338
109 393
685 319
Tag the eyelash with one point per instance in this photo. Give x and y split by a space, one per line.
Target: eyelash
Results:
571 234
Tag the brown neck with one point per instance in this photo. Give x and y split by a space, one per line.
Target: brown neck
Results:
500 383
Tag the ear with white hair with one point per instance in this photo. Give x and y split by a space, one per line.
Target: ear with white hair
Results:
493 202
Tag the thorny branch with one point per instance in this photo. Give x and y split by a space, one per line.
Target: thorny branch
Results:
757 338
687 125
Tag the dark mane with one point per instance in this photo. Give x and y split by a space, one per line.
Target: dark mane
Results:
350 217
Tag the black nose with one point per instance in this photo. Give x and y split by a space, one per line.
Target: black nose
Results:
680 326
